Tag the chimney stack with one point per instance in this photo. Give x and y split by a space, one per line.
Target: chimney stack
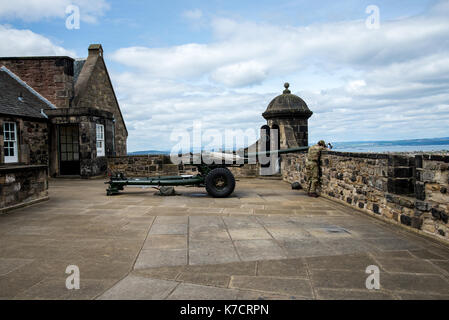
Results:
95 50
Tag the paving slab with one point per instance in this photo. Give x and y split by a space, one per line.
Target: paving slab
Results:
209 235
55 289
249 234
288 232
233 268
306 248
418 283
212 252
165 273
407 266
168 228
8 265
426 254
186 291
151 258
352 262
280 243
139 288
207 279
353 279
250 250
282 268
338 294
276 285
165 241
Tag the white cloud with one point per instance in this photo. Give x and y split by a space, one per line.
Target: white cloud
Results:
361 84
194 14
269 50
240 74
27 43
35 10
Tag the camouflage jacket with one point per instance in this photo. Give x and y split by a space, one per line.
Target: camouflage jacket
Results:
314 153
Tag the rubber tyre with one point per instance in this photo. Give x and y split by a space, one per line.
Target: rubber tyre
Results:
224 174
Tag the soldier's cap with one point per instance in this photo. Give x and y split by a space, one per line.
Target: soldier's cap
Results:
321 143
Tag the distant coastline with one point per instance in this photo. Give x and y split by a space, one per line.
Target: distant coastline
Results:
411 145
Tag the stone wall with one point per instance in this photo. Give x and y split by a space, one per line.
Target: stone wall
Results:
86 119
147 165
32 138
21 185
432 183
154 165
96 91
52 77
405 189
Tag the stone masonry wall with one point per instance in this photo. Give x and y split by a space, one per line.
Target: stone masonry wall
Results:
408 190
32 140
154 165
20 185
432 183
100 95
147 165
52 77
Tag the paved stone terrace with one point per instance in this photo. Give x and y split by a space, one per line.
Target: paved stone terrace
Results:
265 242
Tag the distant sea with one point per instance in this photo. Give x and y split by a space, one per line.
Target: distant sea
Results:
414 145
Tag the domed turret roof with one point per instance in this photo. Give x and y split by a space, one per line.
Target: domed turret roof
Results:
287 105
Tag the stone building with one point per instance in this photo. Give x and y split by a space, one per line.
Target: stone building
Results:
287 127
24 136
81 113
289 114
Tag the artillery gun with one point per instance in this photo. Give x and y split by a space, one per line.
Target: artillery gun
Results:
215 177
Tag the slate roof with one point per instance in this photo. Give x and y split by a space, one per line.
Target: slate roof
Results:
77 67
287 105
19 99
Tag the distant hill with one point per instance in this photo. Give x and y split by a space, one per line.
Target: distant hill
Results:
139 153
410 142
411 145
428 144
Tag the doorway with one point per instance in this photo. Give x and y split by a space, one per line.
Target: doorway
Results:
69 150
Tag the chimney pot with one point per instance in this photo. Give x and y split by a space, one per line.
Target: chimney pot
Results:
96 49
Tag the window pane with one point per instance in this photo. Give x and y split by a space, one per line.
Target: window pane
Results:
75 148
6 151
63 147
12 135
75 156
69 156
11 152
63 156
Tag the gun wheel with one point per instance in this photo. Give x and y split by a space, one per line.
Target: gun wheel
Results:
220 182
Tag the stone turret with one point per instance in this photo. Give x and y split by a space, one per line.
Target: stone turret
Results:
289 114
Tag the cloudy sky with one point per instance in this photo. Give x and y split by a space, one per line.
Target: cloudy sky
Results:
221 62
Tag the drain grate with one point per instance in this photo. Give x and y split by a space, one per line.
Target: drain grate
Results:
336 230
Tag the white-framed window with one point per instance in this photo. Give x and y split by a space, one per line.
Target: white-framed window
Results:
10 142
100 140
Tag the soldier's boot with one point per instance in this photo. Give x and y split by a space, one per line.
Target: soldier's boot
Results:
312 189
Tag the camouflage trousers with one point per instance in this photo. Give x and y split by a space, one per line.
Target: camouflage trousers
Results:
313 176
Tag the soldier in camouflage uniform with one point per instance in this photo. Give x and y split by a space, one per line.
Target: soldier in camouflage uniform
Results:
313 167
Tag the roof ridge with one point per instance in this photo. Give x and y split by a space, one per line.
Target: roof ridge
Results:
24 84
